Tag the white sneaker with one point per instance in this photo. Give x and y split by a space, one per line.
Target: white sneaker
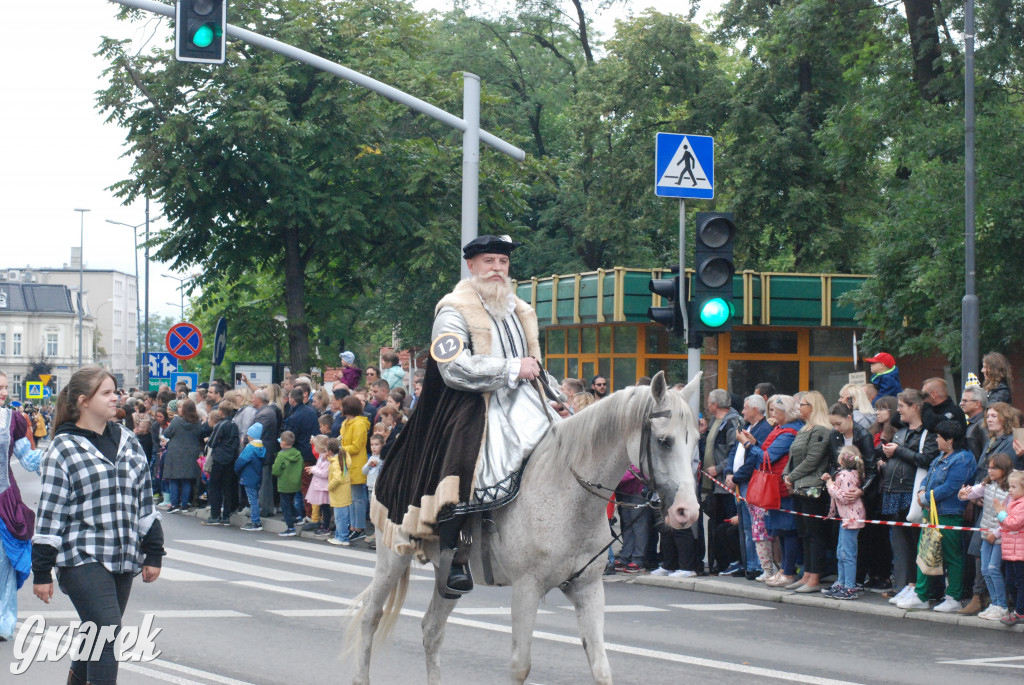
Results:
948 605
913 603
682 574
901 595
660 571
993 613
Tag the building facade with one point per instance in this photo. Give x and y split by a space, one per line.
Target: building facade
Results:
112 298
40 321
794 330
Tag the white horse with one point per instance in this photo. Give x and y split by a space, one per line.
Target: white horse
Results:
549 535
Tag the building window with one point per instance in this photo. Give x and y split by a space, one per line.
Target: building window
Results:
16 344
117 346
117 317
131 319
51 344
3 344
16 386
118 285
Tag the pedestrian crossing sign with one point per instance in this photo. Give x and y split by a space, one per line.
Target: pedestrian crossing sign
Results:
684 166
34 390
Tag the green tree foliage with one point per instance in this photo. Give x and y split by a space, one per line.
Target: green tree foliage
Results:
839 146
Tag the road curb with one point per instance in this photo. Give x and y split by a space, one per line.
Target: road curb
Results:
270 525
865 605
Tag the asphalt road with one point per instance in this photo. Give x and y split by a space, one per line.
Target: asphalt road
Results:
237 608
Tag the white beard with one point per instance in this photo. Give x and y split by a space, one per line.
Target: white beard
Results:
497 296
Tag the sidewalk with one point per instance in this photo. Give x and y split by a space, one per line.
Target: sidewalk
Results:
869 603
271 525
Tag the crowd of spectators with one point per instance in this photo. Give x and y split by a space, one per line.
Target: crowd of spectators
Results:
217 446
879 452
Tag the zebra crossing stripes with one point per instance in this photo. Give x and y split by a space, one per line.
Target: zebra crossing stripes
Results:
265 573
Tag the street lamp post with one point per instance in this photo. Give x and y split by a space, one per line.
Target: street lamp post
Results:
181 289
81 278
143 351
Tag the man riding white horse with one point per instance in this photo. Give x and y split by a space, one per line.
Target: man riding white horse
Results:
486 403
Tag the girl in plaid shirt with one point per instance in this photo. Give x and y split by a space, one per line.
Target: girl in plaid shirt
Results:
96 521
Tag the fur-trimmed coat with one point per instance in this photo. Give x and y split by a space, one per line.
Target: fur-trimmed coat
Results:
474 425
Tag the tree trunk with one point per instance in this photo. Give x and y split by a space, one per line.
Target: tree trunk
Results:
294 302
584 37
924 43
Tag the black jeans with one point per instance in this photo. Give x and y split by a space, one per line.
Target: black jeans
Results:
99 597
219 489
813 532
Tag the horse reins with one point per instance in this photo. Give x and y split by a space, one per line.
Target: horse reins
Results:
648 481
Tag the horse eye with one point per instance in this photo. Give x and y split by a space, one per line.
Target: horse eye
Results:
665 441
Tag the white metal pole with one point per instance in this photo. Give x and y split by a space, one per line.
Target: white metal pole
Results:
81 278
692 353
470 161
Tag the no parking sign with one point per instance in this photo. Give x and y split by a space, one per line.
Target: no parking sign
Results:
184 340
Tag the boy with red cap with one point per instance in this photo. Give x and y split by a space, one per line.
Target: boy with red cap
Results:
884 375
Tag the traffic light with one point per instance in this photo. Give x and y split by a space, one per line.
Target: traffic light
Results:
670 314
711 309
199 27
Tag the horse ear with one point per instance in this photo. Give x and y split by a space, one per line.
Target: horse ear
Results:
658 386
692 387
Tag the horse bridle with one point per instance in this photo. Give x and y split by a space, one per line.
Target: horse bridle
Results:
590 487
645 463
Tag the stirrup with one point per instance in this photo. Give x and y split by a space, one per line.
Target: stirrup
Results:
444 567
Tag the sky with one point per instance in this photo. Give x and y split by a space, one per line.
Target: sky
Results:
59 155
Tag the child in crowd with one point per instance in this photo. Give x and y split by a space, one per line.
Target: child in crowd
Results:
339 488
325 422
848 503
885 376
317 495
288 471
1011 530
994 488
371 469
249 467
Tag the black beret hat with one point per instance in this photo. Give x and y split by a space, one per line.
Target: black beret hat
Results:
491 244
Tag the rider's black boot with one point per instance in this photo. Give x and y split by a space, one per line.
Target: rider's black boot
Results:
459 580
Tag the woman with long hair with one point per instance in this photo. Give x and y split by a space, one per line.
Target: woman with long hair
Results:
853 396
183 442
998 376
808 460
875 557
913 447
96 522
16 519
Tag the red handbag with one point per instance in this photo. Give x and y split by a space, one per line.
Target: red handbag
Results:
765 487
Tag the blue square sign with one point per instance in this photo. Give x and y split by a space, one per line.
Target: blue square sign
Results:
684 166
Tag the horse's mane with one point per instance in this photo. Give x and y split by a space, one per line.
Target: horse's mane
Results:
603 423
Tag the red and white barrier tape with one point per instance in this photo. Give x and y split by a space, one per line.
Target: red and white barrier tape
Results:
897 524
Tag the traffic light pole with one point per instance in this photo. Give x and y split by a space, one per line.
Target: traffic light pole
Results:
469 126
692 353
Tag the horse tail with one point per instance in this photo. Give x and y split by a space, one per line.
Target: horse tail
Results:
352 642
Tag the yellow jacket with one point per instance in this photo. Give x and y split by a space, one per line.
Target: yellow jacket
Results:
339 482
353 443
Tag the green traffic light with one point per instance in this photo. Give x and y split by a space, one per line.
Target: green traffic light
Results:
203 37
715 312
